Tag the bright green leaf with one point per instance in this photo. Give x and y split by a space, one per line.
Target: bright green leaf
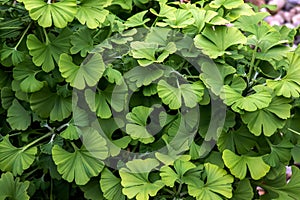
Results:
137 19
15 159
111 185
238 165
17 117
228 4
82 42
98 103
181 19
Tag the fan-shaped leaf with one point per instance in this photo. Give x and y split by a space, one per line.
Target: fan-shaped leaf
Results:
58 13
238 165
243 191
218 183
87 74
137 19
111 185
82 42
17 117
134 179
98 103
15 159
11 188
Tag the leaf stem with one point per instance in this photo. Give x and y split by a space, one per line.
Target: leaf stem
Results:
46 36
22 37
37 140
293 131
252 63
179 189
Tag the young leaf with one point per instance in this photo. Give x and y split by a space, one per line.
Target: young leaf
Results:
173 96
238 165
215 41
253 102
70 133
11 188
138 121
289 85
181 19
91 13
111 185
44 54
25 73
113 76
98 103
46 104
134 179
269 119
17 117
15 159
137 19
228 4
218 183
83 163
82 42
87 74
58 13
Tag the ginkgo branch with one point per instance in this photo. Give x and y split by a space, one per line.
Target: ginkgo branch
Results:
37 140
252 63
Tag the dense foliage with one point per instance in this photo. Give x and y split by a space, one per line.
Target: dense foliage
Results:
146 99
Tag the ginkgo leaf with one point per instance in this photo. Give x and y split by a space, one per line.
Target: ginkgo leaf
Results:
137 19
98 103
15 159
25 73
181 19
173 96
144 75
57 13
228 4
269 119
17 117
238 165
87 74
113 76
82 42
44 54
11 188
287 190
252 102
218 183
91 13
125 4
11 56
46 104
134 179
289 85
243 191
7 97
137 126
215 41
70 133
169 176
83 163
92 190
111 185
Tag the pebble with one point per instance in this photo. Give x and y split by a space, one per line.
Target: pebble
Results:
296 19
280 3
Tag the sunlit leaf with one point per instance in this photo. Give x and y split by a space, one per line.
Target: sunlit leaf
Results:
111 185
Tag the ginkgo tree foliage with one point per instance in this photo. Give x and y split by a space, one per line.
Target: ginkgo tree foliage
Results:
147 99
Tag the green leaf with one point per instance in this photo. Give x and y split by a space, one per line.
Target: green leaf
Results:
181 19
137 126
58 13
238 165
215 42
228 4
280 153
92 190
289 85
70 133
45 53
169 176
113 75
11 56
98 103
83 163
285 190
46 104
17 117
111 185
173 96
213 76
252 102
125 4
269 119
243 191
137 19
144 75
7 97
82 42
241 140
134 179
87 74
25 73
91 13
11 188
218 183
15 159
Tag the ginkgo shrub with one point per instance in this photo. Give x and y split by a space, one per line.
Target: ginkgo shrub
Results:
147 99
